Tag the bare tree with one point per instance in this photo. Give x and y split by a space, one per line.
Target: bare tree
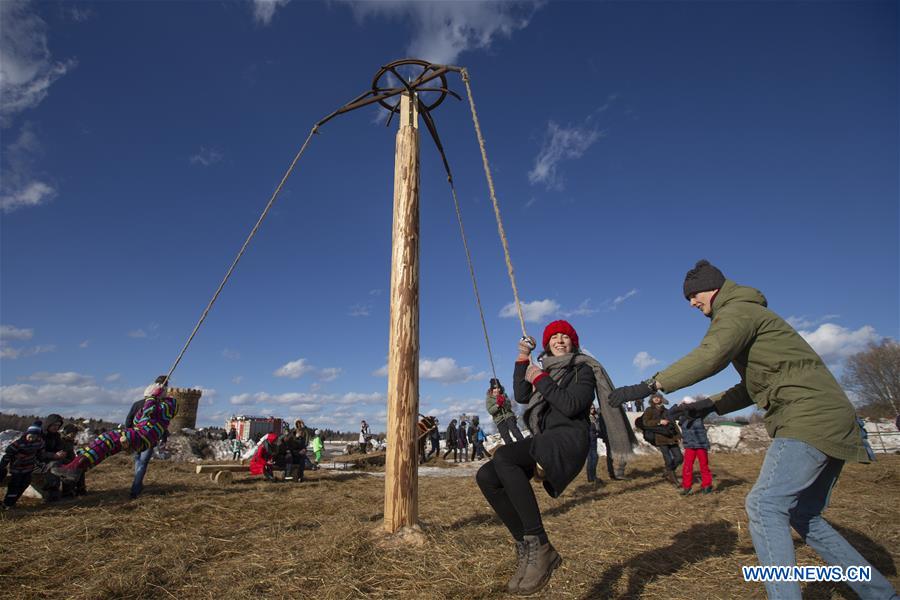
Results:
874 376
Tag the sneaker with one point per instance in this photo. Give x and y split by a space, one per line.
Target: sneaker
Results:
706 490
685 492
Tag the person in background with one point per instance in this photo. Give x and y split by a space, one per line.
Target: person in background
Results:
808 415
141 458
237 448
318 446
20 459
639 405
452 440
53 445
67 441
476 434
435 437
232 433
364 436
150 426
592 457
462 435
263 460
696 446
667 435
500 409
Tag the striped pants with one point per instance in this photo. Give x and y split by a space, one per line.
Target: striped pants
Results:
109 443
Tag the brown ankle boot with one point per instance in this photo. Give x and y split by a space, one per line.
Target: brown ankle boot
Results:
521 562
541 560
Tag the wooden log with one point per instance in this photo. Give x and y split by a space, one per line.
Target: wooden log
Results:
216 468
401 474
223 478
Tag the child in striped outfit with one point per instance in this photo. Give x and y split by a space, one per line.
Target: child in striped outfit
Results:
150 423
20 459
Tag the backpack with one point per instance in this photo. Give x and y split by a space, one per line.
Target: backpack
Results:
649 436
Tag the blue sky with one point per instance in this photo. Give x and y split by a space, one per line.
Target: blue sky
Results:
141 140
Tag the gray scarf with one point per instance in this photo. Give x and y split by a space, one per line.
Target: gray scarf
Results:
556 367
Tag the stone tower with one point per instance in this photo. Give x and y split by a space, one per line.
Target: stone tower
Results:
186 411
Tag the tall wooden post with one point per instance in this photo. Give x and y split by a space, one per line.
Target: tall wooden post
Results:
401 482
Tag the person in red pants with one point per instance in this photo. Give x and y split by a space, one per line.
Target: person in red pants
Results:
696 445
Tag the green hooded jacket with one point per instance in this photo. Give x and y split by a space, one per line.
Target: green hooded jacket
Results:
779 372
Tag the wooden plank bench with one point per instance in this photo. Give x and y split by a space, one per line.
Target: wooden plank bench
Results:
222 474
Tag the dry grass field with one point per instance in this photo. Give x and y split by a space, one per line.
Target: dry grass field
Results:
188 538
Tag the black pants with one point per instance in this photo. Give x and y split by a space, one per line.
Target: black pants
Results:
18 483
509 429
504 481
672 456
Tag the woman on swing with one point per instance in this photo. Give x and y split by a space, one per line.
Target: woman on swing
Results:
559 394
151 421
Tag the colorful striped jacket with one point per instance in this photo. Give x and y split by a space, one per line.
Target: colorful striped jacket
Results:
23 456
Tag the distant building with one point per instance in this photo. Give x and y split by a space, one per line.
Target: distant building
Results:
253 428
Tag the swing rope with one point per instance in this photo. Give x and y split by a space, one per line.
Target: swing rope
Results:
240 253
490 181
462 232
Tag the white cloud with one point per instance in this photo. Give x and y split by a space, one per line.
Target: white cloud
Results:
231 354
443 30
835 343
443 369
20 187
137 333
84 344
83 399
26 68
10 332
206 157
805 322
618 300
642 360
560 144
237 379
66 378
294 369
33 194
533 312
329 374
584 310
112 377
359 310
264 10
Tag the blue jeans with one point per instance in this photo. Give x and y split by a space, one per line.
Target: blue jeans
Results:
592 460
792 490
141 460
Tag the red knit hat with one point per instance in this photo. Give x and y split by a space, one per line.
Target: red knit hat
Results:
560 327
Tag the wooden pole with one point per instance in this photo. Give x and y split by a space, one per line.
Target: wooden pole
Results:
401 481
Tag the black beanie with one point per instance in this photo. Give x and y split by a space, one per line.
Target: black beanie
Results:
702 278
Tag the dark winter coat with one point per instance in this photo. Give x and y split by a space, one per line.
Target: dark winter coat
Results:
779 372
652 417
53 439
693 433
559 419
452 440
461 436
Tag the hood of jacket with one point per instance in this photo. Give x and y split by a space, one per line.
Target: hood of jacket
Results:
52 419
730 292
